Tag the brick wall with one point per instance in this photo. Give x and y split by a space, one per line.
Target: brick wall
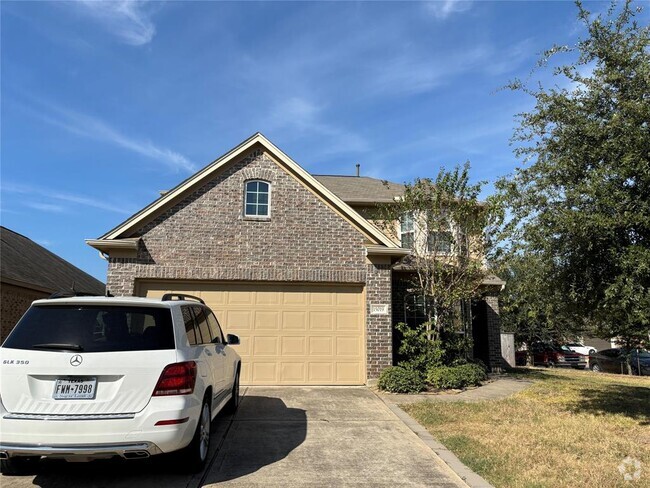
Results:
15 301
206 237
379 339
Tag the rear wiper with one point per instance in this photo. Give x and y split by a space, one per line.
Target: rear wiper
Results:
66 347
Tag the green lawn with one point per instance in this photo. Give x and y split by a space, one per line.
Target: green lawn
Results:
570 428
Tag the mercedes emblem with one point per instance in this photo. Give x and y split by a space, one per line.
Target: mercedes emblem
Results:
76 360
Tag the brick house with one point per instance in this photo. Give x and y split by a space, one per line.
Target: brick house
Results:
286 260
29 272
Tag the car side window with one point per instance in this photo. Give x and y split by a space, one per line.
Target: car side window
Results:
188 319
202 326
215 328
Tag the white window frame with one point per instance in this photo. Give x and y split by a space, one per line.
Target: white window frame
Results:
268 204
410 231
439 251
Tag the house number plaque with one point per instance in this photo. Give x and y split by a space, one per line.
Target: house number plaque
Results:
378 309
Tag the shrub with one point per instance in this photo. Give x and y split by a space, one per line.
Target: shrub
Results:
400 380
455 377
472 374
416 351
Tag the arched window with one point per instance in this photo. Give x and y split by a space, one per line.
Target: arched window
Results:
257 201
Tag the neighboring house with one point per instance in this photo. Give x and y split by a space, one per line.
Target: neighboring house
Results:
287 261
29 272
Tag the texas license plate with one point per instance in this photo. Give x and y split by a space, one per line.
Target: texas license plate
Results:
75 388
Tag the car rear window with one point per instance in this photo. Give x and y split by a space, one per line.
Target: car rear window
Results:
93 329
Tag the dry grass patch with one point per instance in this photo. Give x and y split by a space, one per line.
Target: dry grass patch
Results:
570 428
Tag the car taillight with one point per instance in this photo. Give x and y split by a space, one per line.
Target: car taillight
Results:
176 379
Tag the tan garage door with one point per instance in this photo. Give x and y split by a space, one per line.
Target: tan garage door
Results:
290 334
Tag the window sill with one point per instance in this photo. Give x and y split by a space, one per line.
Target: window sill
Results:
252 218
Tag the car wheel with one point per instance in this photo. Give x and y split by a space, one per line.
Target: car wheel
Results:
592 351
195 454
233 403
596 368
550 364
18 465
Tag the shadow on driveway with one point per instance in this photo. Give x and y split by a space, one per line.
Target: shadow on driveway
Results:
264 431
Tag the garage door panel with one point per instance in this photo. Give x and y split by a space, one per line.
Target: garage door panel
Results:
235 320
264 373
296 298
320 346
294 321
292 372
267 320
322 373
294 346
348 346
290 334
321 320
350 321
266 346
347 372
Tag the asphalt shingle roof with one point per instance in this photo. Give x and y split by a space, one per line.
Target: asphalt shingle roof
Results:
361 189
24 261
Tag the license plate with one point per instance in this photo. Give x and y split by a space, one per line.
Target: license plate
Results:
75 388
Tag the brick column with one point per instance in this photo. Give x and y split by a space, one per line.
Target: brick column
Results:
379 329
494 332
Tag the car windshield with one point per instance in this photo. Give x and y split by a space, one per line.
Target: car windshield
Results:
93 328
562 348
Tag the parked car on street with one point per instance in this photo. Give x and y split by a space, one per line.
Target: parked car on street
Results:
615 361
581 348
97 377
552 355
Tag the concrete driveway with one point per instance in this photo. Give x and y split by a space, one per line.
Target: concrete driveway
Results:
288 437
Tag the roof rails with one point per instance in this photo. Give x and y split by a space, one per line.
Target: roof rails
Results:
180 296
69 294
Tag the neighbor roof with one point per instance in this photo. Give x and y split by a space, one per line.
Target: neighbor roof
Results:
361 189
25 263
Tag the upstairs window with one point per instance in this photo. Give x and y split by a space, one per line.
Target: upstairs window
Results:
257 199
407 231
440 242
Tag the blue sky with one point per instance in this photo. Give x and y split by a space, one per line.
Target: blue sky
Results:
104 104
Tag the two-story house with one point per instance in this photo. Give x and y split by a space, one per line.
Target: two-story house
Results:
287 260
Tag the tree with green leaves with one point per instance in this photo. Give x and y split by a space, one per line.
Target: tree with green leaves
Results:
444 224
580 204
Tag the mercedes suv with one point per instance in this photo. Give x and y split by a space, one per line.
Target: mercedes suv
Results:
96 377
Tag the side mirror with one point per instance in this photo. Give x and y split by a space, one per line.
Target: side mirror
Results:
232 340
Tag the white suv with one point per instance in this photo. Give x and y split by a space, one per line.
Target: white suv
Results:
97 377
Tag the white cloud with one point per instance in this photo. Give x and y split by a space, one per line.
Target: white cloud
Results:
129 20
56 196
46 207
444 8
95 128
303 117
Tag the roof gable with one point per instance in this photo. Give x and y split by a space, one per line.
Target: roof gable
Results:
139 219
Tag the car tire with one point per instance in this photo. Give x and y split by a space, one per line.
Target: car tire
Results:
233 403
194 456
592 351
550 364
596 368
18 465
